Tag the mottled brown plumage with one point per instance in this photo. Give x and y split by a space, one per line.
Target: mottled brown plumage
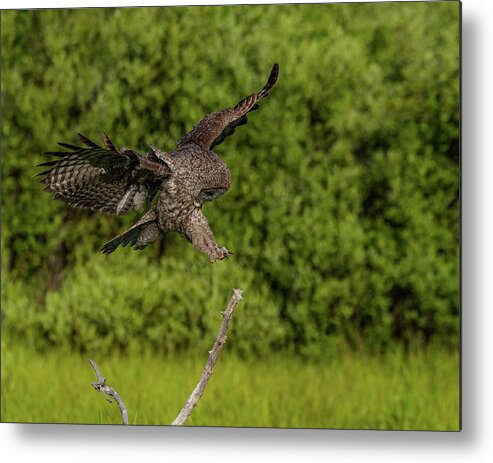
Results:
117 181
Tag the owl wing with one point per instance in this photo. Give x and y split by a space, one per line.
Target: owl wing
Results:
104 179
215 127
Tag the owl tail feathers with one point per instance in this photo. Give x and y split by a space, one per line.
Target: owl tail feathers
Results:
143 233
128 237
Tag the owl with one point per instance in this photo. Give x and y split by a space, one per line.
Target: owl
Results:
117 181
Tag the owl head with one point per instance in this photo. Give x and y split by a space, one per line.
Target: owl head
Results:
215 181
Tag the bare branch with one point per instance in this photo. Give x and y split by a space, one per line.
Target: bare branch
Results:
211 361
196 394
101 386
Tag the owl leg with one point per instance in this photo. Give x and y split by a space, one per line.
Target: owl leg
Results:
197 230
147 236
144 232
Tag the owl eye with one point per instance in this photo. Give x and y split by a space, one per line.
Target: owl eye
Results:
211 193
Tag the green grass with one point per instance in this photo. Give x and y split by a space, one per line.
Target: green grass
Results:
392 391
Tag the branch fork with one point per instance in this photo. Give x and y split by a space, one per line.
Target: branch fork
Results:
101 386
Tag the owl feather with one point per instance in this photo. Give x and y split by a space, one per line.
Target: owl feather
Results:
117 181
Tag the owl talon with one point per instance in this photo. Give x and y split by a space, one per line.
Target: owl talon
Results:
220 254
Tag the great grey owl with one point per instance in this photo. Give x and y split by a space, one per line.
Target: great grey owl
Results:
117 181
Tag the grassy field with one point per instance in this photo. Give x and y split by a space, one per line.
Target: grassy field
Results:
393 391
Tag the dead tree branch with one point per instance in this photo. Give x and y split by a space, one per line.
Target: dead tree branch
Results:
211 361
196 394
101 386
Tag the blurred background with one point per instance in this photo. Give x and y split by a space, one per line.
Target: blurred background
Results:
343 216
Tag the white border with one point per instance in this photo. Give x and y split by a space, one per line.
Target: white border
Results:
57 443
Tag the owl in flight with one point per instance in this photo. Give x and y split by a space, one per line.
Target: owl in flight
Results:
117 181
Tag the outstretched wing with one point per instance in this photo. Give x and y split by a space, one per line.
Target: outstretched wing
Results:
103 179
215 127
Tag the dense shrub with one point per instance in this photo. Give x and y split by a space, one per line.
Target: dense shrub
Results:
169 307
343 214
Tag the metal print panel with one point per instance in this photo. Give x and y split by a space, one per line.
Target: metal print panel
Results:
275 192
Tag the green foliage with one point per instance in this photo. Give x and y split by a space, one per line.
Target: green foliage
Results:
167 307
343 213
391 391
